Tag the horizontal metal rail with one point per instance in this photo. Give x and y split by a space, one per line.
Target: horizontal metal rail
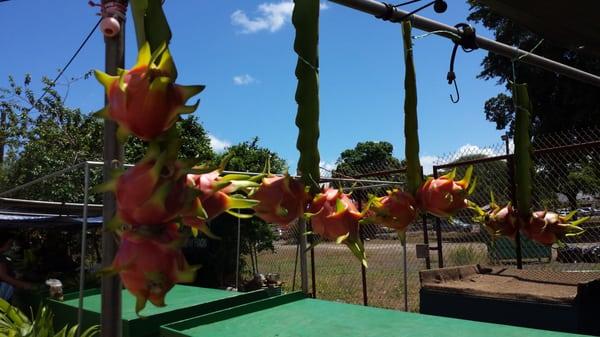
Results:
380 9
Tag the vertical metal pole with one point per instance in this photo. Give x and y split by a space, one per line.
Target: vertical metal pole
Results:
363 269
303 264
237 254
313 275
113 157
426 241
86 187
513 196
405 266
426 233
438 230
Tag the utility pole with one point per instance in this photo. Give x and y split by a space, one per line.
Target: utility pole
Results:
111 325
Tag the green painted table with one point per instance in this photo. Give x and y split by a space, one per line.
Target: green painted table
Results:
182 302
295 315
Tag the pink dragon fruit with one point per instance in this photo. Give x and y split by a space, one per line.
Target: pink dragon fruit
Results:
152 192
213 198
501 221
150 264
334 215
281 199
444 197
395 210
145 101
548 228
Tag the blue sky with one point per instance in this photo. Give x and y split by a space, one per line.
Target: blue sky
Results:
242 51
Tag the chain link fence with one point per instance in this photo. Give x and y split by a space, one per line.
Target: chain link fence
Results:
567 177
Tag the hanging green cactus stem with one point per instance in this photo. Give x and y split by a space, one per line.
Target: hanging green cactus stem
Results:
523 149
306 21
411 132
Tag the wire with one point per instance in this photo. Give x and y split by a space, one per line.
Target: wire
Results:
62 71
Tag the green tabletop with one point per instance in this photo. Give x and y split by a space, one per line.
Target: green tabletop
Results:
293 315
182 302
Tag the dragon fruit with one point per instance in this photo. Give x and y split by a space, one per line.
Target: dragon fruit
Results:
548 228
152 192
501 221
444 197
145 101
281 199
150 264
395 210
334 216
213 198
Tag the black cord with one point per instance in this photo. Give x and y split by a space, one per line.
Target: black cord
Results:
62 71
388 15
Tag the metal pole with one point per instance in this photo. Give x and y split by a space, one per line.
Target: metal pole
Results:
379 8
513 196
303 264
438 231
110 321
86 187
237 255
405 266
426 241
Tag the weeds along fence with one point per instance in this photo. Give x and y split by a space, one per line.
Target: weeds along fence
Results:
567 177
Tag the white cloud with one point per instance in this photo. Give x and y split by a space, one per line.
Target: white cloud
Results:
327 165
271 16
427 163
218 145
469 149
244 79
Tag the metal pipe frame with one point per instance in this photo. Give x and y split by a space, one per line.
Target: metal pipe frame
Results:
380 9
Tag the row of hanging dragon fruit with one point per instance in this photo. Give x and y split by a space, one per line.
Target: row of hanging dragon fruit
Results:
162 194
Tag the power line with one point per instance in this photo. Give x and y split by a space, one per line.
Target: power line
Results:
62 71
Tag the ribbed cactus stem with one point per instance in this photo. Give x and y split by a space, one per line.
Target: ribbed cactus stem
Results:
411 133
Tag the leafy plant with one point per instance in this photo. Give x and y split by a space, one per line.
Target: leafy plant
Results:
14 323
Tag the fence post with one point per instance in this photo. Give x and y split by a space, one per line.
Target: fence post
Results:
426 233
363 270
438 230
513 196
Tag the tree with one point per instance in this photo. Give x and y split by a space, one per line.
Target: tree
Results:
366 159
249 157
195 143
59 137
558 102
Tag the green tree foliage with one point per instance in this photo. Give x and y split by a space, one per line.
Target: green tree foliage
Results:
248 156
53 137
558 102
367 157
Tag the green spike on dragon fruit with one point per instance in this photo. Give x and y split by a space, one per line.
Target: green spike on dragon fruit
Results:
145 101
